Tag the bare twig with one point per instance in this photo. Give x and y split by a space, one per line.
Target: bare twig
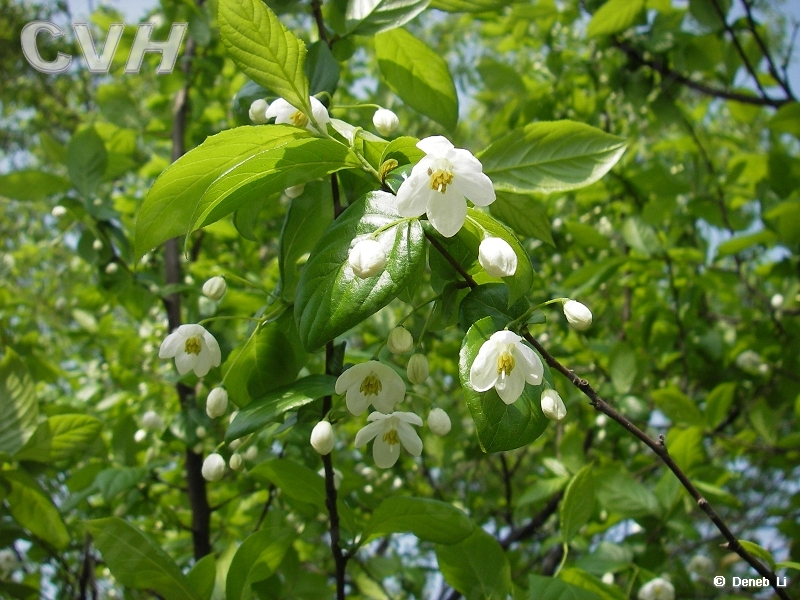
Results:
782 81
449 258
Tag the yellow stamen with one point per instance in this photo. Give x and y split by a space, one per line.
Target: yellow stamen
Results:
441 175
391 437
193 345
371 386
299 119
505 364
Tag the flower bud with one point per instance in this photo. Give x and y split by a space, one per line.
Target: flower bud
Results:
657 589
749 361
112 268
578 315
439 422
217 402
400 341
322 438
553 406
151 421
497 257
608 578
295 190
236 462
97 245
8 562
417 368
251 453
139 436
700 565
58 211
776 301
200 431
367 258
213 467
236 444
215 288
258 111
385 121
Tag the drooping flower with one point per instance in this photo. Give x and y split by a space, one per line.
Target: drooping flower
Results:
194 349
385 121
367 258
578 315
288 114
505 363
151 421
213 467
417 369
258 111
657 589
400 340
553 406
497 257
439 183
236 462
217 402
322 438
215 288
439 422
58 211
251 453
389 431
373 383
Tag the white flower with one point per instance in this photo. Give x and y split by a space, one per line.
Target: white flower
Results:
497 257
151 421
8 562
286 113
139 436
439 422
112 268
400 340
58 211
385 121
657 589
236 462
367 258
417 369
373 383
295 190
553 406
578 315
215 288
776 301
251 453
213 467
194 349
217 402
258 111
749 361
389 431
505 363
97 245
200 431
608 578
700 565
439 182
322 438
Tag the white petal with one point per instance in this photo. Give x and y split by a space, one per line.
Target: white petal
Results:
409 438
319 111
365 434
529 362
515 383
483 373
447 212
378 416
409 417
385 454
353 375
412 197
470 179
393 388
436 145
280 109
191 329
184 361
202 364
505 337
356 402
170 346
213 348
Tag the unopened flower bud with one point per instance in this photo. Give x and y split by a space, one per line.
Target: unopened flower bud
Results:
295 190
251 453
112 268
217 402
385 121
400 341
215 288
258 111
700 565
553 406
497 257
236 444
657 589
151 421
213 467
367 258
58 211
578 315
439 422
97 245
322 438
608 578
200 432
417 368
139 436
236 462
776 301
749 361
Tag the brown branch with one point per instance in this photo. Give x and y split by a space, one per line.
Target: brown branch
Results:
509 511
536 523
783 82
449 258
316 10
679 321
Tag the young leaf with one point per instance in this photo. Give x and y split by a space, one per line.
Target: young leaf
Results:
138 562
429 520
368 17
500 426
677 406
265 50
34 510
525 215
622 365
578 503
255 560
551 156
87 160
718 402
614 16
202 576
473 6
489 300
294 480
640 236
17 404
59 437
477 567
30 184
330 297
322 69
552 588
418 75
618 492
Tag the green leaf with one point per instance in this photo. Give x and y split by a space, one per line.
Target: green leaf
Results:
640 236
330 298
86 160
785 219
418 75
60 437
787 119
551 156
677 406
622 365
788 564
403 149
113 481
586 236
32 185
17 404
591 584
607 558
550 588
477 567
718 402
202 576
686 447
706 12
255 560
138 562
265 50
578 503
34 510
429 520
765 237
618 492
500 426
294 480
322 69
473 6
265 410
759 552
525 215
368 17
614 16
170 204
489 300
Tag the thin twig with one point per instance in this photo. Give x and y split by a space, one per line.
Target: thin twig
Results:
449 258
782 81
